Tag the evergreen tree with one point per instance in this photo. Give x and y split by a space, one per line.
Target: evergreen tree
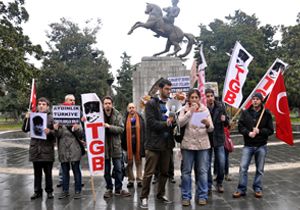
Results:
124 84
73 65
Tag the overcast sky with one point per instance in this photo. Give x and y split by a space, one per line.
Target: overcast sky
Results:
119 15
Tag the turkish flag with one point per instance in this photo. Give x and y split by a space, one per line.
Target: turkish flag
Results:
277 103
33 97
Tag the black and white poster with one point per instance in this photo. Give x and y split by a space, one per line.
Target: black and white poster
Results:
38 123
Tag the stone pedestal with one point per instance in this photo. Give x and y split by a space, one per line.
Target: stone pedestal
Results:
153 68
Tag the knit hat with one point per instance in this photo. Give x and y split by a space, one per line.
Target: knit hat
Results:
258 95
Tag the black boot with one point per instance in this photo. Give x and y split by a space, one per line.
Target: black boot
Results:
36 195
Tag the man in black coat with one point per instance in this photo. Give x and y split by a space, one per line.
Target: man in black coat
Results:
41 152
216 138
255 144
159 142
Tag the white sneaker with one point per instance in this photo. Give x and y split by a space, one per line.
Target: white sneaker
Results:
144 203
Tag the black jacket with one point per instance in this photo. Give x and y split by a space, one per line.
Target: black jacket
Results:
159 136
248 121
142 135
41 150
217 137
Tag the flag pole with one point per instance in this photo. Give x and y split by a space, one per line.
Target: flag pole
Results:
32 86
233 119
260 117
93 188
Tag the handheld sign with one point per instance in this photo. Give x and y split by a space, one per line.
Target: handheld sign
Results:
94 131
38 123
66 115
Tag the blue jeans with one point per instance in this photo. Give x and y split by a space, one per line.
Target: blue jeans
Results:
259 154
66 175
226 162
220 161
200 158
117 163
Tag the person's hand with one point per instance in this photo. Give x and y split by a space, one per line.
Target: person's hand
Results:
256 130
106 125
252 134
47 131
55 126
205 121
27 115
194 107
170 121
75 127
83 143
83 119
223 118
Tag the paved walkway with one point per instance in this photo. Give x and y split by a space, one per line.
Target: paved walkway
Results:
281 183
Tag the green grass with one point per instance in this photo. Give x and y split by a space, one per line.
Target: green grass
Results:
10 126
295 120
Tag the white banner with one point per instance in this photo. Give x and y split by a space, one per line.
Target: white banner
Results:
94 131
236 75
266 84
66 115
38 123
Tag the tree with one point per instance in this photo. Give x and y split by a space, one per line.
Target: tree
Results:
73 65
290 51
219 38
124 85
15 48
15 71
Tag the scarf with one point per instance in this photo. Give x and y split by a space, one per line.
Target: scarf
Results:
129 137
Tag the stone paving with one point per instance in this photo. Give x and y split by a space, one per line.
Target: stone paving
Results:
281 183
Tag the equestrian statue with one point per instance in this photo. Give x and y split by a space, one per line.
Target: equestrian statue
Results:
164 26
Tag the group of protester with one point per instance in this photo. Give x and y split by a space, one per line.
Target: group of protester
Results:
151 135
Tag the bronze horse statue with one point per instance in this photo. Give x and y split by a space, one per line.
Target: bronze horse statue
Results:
173 33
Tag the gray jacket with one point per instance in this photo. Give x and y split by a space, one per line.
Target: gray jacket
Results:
68 147
113 134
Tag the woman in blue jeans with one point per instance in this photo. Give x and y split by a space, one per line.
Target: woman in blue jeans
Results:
194 147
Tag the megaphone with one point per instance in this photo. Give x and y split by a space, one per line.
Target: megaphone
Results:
173 107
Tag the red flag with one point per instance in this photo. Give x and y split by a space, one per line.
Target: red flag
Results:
278 105
33 97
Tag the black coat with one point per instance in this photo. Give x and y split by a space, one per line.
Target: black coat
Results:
217 137
159 136
142 135
41 150
248 121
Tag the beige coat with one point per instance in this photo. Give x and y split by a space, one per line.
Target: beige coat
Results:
195 138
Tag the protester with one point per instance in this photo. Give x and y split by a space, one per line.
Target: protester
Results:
217 138
133 142
195 148
69 100
41 152
70 144
159 142
113 151
255 144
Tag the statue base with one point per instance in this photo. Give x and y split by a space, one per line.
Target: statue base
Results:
153 68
